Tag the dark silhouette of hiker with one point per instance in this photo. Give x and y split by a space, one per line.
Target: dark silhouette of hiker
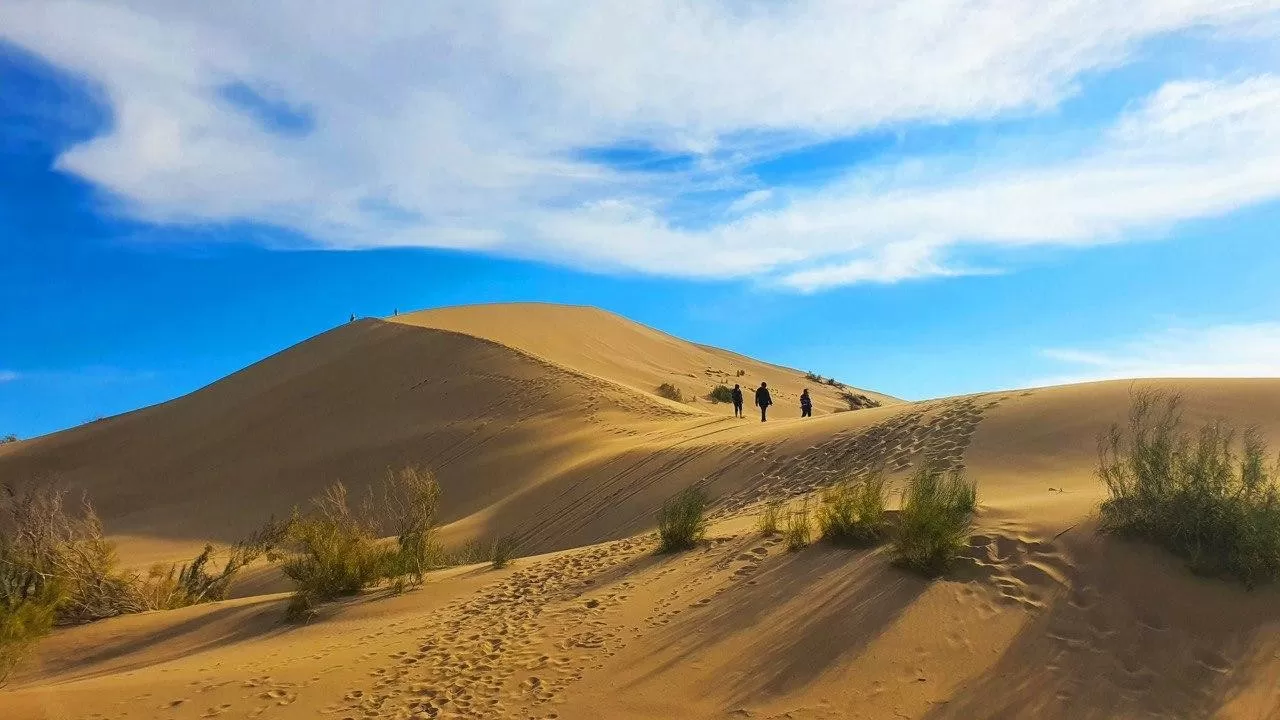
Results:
806 404
737 401
763 401
353 318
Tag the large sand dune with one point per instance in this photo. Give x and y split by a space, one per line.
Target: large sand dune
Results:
540 421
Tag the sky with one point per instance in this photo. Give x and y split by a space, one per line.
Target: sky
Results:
920 197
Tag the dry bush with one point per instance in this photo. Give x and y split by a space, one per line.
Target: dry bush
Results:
853 512
682 520
503 551
194 583
409 502
11 438
670 392
1210 497
933 524
858 401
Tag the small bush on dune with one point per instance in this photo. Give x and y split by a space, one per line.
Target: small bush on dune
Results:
812 376
670 392
8 439
503 551
333 552
799 528
409 500
195 582
858 401
721 394
682 520
933 524
770 516
1205 496
853 512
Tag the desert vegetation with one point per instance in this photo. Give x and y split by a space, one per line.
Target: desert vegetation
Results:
1208 495
770 517
721 394
670 392
852 512
682 520
10 438
858 401
798 527
934 520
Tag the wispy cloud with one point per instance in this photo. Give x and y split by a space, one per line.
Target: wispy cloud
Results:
1240 350
458 124
8 376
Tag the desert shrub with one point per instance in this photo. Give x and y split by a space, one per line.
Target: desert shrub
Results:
740 373
409 501
852 512
858 401
8 439
721 394
28 607
1210 496
835 383
770 516
798 530
503 551
934 521
670 392
813 377
682 520
196 582
333 552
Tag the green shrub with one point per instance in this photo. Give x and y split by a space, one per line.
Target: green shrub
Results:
332 552
682 520
770 517
933 524
852 512
1206 497
812 376
409 501
27 612
670 392
194 583
799 527
8 439
721 394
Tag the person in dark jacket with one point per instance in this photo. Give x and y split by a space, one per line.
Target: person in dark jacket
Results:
806 404
763 401
737 400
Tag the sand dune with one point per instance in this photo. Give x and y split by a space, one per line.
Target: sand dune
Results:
538 429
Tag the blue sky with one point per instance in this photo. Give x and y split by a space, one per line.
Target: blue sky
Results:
922 198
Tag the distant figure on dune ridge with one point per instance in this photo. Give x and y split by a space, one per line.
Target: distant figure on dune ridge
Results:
353 318
763 400
737 400
806 404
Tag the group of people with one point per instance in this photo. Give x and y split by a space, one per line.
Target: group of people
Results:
764 400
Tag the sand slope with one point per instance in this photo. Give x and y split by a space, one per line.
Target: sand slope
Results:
1043 619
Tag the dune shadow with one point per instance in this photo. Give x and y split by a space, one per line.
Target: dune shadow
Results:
1133 635
804 613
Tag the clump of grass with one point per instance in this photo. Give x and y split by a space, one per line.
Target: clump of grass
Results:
934 521
195 582
812 376
682 520
770 517
853 512
798 529
721 394
740 373
670 392
1210 497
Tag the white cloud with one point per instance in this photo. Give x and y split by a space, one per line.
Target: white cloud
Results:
1240 350
8 376
459 124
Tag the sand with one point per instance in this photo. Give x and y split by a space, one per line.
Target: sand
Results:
541 422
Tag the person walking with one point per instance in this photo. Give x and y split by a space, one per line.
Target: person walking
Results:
806 404
737 400
763 401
